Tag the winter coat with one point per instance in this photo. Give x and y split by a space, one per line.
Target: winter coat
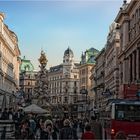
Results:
45 135
68 133
88 135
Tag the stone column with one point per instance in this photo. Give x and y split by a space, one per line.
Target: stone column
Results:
137 64
133 65
129 68
125 31
124 71
2 16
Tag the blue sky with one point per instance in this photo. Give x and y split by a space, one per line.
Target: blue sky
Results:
55 25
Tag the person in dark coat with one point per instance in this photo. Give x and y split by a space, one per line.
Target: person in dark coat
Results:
3 135
26 132
96 127
67 133
48 133
88 134
5 115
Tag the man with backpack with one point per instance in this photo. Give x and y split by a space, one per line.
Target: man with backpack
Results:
67 132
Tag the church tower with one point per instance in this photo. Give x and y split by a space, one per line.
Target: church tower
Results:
68 61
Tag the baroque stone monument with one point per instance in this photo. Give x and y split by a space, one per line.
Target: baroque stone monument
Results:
41 90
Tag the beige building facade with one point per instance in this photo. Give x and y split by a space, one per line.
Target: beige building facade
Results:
27 80
9 63
64 84
99 77
107 68
87 98
129 52
85 82
111 62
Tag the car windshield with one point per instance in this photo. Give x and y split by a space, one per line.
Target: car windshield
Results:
127 112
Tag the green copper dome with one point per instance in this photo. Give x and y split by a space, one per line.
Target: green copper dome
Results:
26 65
89 56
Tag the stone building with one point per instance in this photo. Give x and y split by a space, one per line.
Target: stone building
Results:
27 79
9 64
64 85
111 62
99 77
129 52
85 67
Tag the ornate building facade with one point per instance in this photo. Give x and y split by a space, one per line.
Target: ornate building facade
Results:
99 77
107 69
64 84
111 62
9 64
129 52
27 79
85 71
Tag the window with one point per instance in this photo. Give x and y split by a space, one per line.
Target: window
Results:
75 99
127 112
28 90
75 91
83 71
75 76
66 90
83 80
65 99
74 83
59 99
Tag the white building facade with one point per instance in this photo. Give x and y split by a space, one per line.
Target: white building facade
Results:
9 64
64 84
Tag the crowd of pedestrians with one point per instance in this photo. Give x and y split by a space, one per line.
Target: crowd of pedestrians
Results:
29 126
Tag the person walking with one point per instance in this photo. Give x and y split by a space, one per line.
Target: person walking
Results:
4 115
88 134
25 131
3 135
48 132
96 127
67 133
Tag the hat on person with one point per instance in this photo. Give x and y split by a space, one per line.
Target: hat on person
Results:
48 122
66 122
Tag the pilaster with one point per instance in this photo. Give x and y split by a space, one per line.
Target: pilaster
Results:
137 64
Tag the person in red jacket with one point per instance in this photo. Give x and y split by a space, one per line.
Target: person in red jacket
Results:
88 134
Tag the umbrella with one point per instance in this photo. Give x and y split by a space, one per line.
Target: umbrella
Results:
34 109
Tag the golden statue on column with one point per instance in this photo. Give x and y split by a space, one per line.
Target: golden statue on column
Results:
43 60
